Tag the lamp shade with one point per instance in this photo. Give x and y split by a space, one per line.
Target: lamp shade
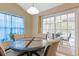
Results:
33 10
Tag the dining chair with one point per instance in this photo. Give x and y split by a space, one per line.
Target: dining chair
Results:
52 48
19 37
6 45
40 36
38 42
2 50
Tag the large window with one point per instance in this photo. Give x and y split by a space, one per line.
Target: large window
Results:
10 24
64 24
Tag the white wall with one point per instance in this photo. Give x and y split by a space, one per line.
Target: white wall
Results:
35 25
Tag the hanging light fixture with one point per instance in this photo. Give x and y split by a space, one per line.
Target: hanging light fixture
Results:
33 10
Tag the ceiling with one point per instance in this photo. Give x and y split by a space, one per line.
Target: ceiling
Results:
41 6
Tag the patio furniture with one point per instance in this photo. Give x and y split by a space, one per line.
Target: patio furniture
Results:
66 39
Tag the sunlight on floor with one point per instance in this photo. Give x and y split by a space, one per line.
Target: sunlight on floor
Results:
67 48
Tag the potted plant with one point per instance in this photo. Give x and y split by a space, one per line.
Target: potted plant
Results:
12 36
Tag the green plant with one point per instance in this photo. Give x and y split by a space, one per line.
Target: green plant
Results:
12 36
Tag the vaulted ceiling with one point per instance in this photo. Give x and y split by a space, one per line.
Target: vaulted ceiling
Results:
41 6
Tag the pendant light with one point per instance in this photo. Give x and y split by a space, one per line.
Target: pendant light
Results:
33 10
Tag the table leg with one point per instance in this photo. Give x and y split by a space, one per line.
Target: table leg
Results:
36 53
29 53
21 54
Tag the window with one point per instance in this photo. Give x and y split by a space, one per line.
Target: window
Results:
10 23
58 24
63 24
48 25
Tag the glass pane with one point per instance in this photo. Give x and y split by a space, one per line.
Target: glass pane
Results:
8 21
52 23
44 31
2 20
71 16
7 30
52 19
44 20
64 33
21 31
44 26
52 26
64 24
7 34
52 31
58 31
14 31
18 22
18 31
71 25
48 26
8 38
2 35
58 22
22 22
71 21
14 23
48 20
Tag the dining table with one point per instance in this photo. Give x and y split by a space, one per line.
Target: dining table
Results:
21 46
30 46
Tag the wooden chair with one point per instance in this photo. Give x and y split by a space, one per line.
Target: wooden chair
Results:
52 49
40 36
2 50
4 47
6 44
